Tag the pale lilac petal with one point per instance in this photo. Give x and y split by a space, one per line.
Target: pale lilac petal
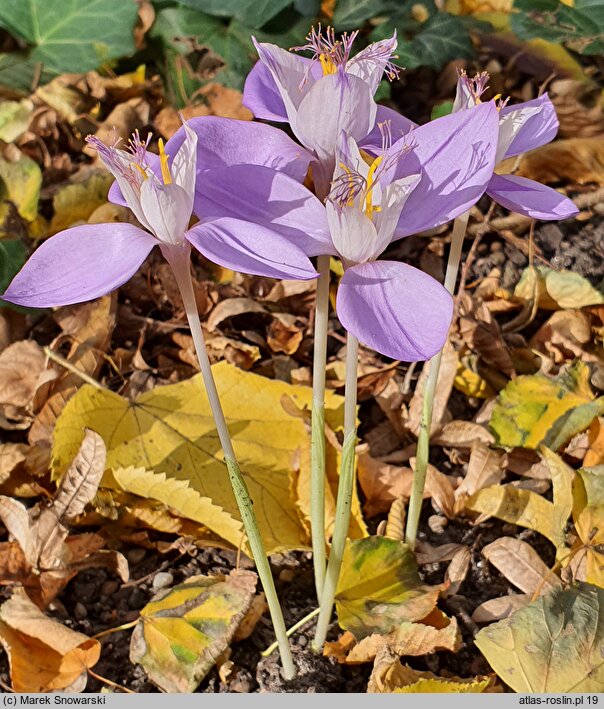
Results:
183 164
226 141
251 248
353 234
261 94
370 63
167 209
337 102
80 264
399 126
455 155
539 129
510 126
290 75
115 193
267 197
518 194
395 309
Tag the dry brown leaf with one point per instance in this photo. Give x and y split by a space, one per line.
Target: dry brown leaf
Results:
439 488
230 308
21 365
43 654
579 160
444 387
595 453
579 108
565 336
123 120
88 327
482 333
382 483
250 620
457 570
484 468
409 639
226 102
283 335
427 554
521 565
498 608
462 434
12 455
395 524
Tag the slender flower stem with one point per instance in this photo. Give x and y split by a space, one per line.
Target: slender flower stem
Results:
423 439
317 441
179 260
344 499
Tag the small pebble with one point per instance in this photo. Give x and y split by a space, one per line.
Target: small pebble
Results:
287 575
162 579
79 611
109 588
135 556
437 523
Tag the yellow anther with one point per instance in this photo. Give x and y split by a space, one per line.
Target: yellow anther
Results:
369 208
163 159
140 169
328 64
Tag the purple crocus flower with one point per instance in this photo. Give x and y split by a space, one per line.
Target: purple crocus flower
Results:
85 262
322 96
522 127
422 180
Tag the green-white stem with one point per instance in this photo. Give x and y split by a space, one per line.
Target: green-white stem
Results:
317 444
344 499
179 260
423 439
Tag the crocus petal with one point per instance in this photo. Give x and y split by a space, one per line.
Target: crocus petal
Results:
251 248
518 194
511 125
395 309
455 155
335 103
369 64
183 167
353 234
80 264
399 126
538 129
115 193
267 197
290 75
167 209
225 141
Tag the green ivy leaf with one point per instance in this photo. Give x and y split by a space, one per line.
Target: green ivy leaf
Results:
18 71
581 26
12 256
442 37
350 14
73 35
253 13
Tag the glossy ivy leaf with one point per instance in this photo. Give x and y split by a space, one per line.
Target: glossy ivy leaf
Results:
182 631
555 644
253 13
13 255
18 71
441 38
379 587
350 14
581 26
73 35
